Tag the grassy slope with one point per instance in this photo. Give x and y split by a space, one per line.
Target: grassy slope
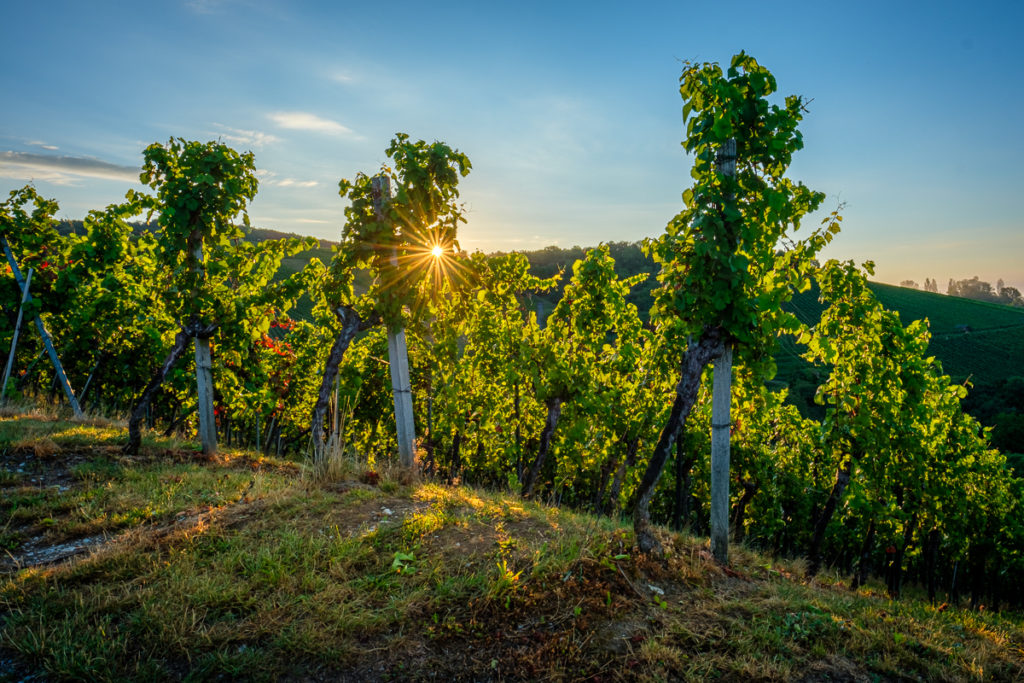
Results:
241 568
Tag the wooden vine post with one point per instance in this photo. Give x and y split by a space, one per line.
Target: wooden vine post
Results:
720 400
398 357
727 261
204 376
199 188
14 339
47 341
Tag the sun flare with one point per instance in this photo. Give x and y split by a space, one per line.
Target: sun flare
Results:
437 251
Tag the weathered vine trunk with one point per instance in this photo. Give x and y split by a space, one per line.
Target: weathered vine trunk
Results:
681 508
976 561
428 466
739 516
931 554
632 445
710 346
842 481
139 414
554 412
351 325
455 459
896 578
519 436
864 561
610 465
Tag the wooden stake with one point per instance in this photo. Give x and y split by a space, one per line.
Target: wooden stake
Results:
204 380
722 390
204 385
13 341
398 356
47 342
720 400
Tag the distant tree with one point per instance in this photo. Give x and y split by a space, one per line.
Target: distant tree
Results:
909 283
979 290
931 285
1010 296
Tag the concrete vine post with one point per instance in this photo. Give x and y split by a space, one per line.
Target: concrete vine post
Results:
398 356
720 400
204 379
728 263
14 339
199 189
47 341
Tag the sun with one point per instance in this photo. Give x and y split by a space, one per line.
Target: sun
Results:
437 251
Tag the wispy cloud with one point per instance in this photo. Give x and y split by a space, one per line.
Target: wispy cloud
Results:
292 182
343 77
254 138
40 143
270 179
62 170
300 120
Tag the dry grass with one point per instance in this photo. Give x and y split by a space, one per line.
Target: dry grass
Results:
42 448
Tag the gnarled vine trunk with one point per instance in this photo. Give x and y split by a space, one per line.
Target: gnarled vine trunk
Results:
139 414
554 405
739 516
710 346
681 508
632 445
864 561
351 325
838 488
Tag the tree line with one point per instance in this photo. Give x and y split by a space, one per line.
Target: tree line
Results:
974 288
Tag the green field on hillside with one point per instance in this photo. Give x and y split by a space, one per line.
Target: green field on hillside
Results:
974 340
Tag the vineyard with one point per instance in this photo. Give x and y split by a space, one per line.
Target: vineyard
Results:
194 330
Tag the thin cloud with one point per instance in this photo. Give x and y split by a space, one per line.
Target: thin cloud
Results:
62 170
292 182
270 179
300 120
343 77
40 143
253 138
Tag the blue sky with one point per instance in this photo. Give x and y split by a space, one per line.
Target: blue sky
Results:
570 112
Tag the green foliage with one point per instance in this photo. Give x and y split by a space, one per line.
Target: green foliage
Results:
199 190
395 236
720 264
